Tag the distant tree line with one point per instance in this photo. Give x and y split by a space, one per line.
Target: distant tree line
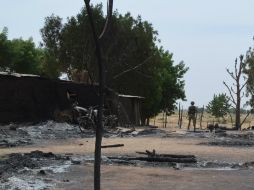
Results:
135 63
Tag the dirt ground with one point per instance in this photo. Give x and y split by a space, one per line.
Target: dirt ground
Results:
120 177
135 178
66 140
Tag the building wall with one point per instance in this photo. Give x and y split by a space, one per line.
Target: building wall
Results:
27 98
129 111
32 99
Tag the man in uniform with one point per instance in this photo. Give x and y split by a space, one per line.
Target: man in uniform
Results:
192 111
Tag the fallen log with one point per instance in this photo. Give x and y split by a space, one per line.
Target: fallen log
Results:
112 146
157 159
167 155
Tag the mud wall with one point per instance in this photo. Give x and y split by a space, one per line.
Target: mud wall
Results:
32 99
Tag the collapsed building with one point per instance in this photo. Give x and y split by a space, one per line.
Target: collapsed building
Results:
31 98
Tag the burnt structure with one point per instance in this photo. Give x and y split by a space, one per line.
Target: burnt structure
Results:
31 98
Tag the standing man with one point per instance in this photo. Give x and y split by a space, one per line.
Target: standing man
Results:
192 111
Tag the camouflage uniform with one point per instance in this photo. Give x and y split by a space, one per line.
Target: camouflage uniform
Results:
192 111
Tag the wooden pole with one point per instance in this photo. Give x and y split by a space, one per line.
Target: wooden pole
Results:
179 115
181 118
163 119
101 65
166 119
201 117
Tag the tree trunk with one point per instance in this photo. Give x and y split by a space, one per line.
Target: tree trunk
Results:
201 117
147 121
238 109
166 120
101 65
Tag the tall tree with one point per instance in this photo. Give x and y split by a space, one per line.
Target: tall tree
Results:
236 91
51 36
134 63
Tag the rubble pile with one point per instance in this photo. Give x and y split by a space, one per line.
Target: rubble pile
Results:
35 159
30 170
26 134
231 139
126 132
12 142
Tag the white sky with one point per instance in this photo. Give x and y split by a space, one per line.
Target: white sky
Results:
207 35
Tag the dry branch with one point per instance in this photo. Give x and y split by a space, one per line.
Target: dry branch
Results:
112 145
133 68
157 159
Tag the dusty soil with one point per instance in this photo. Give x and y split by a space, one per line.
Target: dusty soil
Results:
133 177
136 178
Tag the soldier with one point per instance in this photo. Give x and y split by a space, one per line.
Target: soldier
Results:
192 111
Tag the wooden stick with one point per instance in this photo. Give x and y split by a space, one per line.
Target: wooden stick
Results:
168 155
112 146
157 159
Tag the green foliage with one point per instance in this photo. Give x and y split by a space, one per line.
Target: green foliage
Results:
219 106
51 36
19 55
249 71
25 57
134 63
5 50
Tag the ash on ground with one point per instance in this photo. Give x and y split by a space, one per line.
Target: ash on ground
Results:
31 170
25 134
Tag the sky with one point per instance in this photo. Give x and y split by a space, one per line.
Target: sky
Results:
207 35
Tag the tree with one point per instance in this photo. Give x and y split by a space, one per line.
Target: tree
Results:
236 93
25 57
19 55
134 63
5 50
219 106
51 35
249 71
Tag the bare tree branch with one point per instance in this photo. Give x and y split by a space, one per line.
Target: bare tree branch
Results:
240 66
233 90
243 85
133 68
231 74
139 72
109 17
236 68
231 95
245 118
